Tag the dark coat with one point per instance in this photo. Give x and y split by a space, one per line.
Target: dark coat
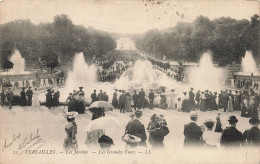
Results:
225 100
231 137
29 94
23 100
136 128
141 94
94 97
151 95
48 99
252 136
135 97
193 134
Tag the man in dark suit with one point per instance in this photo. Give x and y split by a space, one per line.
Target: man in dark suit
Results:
9 97
122 101
142 98
191 99
225 100
29 94
192 132
94 96
136 128
231 137
101 96
136 100
151 99
252 135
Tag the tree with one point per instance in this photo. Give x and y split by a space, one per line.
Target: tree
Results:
7 65
51 61
227 38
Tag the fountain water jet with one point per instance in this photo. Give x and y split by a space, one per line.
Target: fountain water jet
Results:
19 65
248 64
81 74
142 75
206 75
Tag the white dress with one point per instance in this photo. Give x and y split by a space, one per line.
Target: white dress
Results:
172 101
212 138
35 101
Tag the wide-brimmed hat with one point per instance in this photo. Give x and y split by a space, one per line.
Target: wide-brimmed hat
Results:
233 119
70 115
254 121
80 87
105 139
128 138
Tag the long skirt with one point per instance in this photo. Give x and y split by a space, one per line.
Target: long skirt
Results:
245 112
185 106
218 128
163 104
230 106
172 104
115 103
81 107
69 144
203 105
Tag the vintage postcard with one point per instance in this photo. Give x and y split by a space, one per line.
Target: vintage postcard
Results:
129 81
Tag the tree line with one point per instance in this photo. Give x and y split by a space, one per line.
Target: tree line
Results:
227 38
52 43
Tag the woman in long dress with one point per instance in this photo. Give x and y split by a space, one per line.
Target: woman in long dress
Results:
163 104
230 104
128 107
23 100
172 100
35 101
70 103
185 103
81 103
70 142
114 100
202 102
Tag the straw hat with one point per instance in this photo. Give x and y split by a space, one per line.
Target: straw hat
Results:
128 138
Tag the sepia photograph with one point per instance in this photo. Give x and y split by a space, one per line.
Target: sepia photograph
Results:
129 81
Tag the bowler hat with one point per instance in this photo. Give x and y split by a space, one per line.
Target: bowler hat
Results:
233 119
254 121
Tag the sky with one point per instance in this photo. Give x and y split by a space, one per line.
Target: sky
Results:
125 16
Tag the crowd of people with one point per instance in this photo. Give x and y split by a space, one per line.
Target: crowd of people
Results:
123 100
27 97
246 84
52 98
210 136
76 101
230 137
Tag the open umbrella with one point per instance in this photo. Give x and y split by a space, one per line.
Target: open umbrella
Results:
103 123
102 104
